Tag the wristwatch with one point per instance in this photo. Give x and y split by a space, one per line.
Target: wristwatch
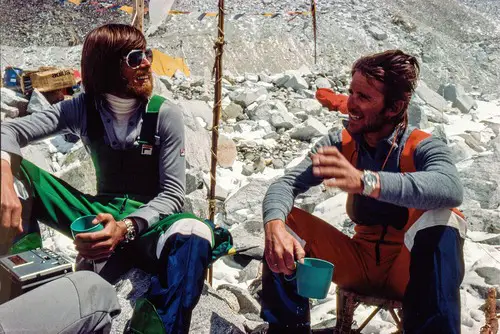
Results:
131 232
369 180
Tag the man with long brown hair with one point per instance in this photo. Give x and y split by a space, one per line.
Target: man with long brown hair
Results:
136 142
402 187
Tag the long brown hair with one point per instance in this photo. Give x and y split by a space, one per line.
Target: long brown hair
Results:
102 53
398 72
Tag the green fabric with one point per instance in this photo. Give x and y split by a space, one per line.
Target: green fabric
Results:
155 103
28 242
57 204
145 319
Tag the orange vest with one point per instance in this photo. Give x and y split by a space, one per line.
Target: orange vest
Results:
406 165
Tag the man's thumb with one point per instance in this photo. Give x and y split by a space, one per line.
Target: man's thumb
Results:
299 251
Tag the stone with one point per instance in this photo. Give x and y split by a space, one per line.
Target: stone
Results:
226 152
37 103
247 170
251 77
377 33
431 97
440 133
322 83
230 299
310 106
283 120
460 150
167 81
308 130
198 143
248 304
10 98
248 197
491 275
278 164
436 116
196 202
251 270
464 103
472 142
132 285
246 97
194 180
296 82
233 110
11 112
212 315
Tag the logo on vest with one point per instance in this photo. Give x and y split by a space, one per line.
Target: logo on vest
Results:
146 149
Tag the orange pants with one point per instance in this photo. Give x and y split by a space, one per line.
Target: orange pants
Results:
354 258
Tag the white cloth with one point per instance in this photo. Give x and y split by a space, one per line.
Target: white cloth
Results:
122 109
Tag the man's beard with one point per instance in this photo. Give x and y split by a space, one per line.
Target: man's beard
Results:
373 125
137 90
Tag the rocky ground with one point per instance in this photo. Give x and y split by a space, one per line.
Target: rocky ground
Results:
268 124
270 120
456 41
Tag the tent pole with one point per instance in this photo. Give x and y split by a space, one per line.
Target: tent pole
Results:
138 15
219 49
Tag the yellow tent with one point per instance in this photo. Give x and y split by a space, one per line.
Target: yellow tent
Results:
166 65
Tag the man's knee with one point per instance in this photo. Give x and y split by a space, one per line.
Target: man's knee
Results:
95 294
185 227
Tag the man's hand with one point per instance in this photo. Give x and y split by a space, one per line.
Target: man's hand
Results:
331 165
10 206
101 244
282 249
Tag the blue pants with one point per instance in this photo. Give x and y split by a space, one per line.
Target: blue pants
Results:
431 302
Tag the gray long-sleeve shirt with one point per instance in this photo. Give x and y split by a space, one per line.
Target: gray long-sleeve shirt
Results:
70 117
434 185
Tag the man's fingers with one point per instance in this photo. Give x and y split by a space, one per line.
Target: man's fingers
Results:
329 150
289 260
300 253
93 236
283 267
337 183
102 218
328 172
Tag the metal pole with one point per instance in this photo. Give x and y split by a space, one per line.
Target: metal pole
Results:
219 49
313 13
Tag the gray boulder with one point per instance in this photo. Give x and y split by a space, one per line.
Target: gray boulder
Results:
247 303
296 82
246 97
436 116
248 198
11 112
233 110
198 140
196 202
213 315
417 116
377 33
322 83
431 97
10 98
283 120
491 275
308 130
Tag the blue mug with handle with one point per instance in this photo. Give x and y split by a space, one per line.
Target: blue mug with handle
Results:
314 277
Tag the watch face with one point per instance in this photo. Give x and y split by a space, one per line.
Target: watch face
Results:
371 178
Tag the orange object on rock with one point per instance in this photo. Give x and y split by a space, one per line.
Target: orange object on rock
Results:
333 101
